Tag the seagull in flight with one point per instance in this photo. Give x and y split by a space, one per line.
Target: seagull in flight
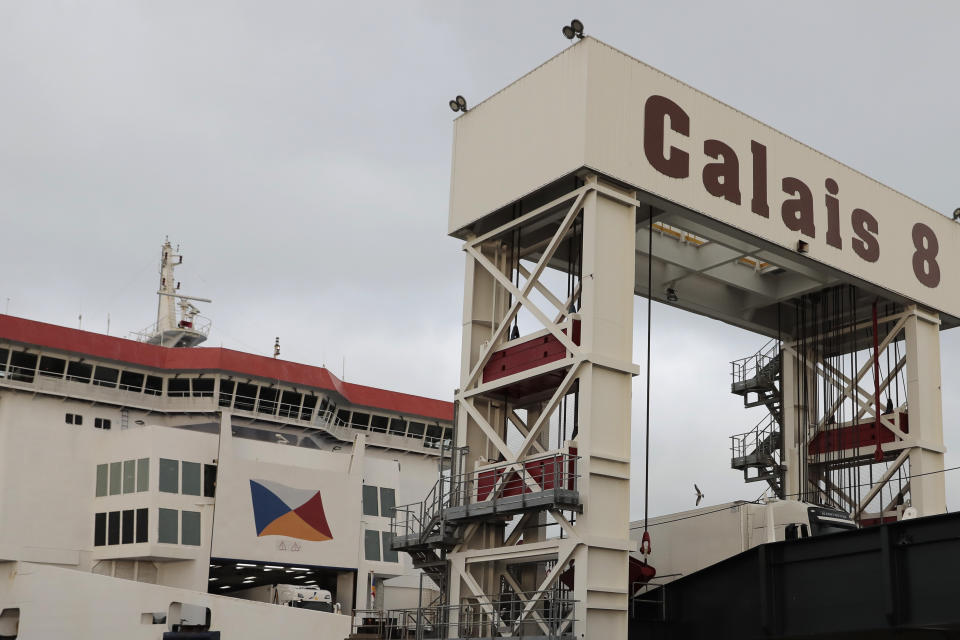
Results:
699 493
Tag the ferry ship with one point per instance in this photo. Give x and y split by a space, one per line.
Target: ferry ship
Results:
158 488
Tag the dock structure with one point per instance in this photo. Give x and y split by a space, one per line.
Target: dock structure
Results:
595 178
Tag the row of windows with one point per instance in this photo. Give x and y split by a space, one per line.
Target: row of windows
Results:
120 527
77 419
172 521
129 476
284 403
185 478
372 543
132 525
384 506
24 367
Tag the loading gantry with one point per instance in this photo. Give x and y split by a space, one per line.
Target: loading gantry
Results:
536 505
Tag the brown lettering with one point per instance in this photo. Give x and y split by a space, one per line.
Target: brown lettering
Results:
676 164
925 265
722 179
865 227
798 213
759 204
833 214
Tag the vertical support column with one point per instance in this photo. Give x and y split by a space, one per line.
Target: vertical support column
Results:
925 409
791 408
602 559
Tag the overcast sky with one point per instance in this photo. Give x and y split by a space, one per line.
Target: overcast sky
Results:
299 152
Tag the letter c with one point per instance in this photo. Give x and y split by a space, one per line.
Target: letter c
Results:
675 164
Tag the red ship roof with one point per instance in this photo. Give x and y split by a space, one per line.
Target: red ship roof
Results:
98 345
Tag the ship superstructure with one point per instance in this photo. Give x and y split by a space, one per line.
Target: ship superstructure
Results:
180 485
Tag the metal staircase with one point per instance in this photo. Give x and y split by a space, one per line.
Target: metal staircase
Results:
757 379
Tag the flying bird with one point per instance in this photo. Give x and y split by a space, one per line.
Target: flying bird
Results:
699 493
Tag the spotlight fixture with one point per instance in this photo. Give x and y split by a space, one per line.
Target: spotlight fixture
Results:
575 28
458 104
956 214
671 294
803 246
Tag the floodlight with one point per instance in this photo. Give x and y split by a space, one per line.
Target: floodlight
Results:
458 104
568 32
671 294
956 213
577 27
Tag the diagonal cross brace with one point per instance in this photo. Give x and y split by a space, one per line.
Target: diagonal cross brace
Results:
521 295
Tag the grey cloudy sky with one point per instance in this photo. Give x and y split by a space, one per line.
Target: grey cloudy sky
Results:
299 152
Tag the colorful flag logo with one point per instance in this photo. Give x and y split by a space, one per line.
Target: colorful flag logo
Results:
279 510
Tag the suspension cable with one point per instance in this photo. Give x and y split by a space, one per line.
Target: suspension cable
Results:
646 464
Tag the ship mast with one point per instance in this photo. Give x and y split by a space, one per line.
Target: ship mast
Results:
172 329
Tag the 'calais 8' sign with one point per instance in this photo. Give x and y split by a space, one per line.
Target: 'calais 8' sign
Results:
797 209
594 107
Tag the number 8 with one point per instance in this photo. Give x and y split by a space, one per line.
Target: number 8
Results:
925 265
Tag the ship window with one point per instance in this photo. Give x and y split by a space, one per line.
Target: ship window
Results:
190 478
154 386
103 474
209 480
169 472
398 426
143 474
79 371
68 418
370 501
226 392
127 537
246 394
131 381
343 415
309 404
360 420
105 376
290 404
22 366
113 527
115 478
178 387
190 533
434 433
388 501
142 525
77 419
167 526
101 423
389 555
52 367
203 387
99 529
4 354
129 476
371 545
268 400
416 430
379 424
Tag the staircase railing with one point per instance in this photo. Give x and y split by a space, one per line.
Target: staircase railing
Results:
754 366
759 440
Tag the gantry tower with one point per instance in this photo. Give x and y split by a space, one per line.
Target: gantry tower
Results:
572 189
